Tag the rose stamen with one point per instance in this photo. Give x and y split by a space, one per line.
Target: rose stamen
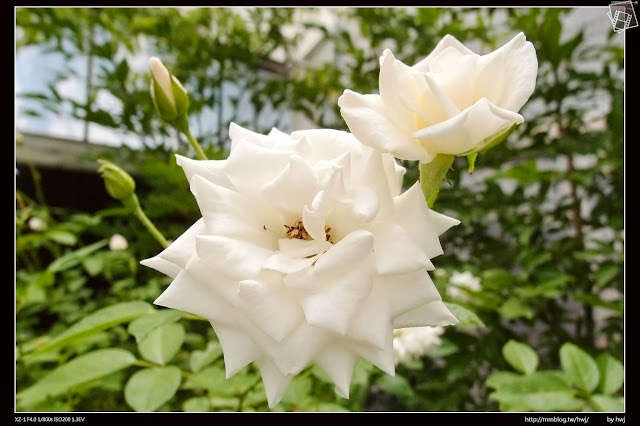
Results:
298 232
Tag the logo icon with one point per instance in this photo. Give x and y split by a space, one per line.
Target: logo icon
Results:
622 15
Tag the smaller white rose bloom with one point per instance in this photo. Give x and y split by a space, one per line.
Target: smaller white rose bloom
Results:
411 343
307 251
118 243
36 224
462 280
453 102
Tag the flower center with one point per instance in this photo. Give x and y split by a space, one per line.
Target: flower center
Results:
298 232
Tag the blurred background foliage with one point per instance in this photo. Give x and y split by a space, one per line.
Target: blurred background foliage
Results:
541 237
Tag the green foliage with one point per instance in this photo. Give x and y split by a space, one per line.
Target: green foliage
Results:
149 388
542 214
568 390
80 370
161 344
520 356
99 320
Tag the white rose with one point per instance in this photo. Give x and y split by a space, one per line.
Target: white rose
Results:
409 343
37 224
117 243
306 251
462 280
452 102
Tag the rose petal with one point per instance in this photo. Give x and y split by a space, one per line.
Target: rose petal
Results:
520 71
446 42
490 77
282 263
433 313
293 354
229 213
367 118
423 225
326 144
399 91
293 188
211 170
174 258
275 383
338 363
238 134
408 291
442 222
395 251
161 265
368 175
237 347
442 107
455 74
351 250
235 259
383 359
372 321
265 163
462 132
295 249
272 310
191 295
333 307
395 173
365 203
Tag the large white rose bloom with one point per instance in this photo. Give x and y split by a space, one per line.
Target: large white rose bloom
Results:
453 102
306 251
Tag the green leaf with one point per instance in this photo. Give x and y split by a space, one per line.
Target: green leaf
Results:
93 264
514 308
79 370
502 378
162 343
144 325
520 356
580 368
595 300
538 391
298 389
606 273
607 403
330 407
445 348
197 404
71 259
361 373
62 237
200 359
396 385
99 320
149 388
432 175
466 318
214 380
611 374
491 141
319 374
471 158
